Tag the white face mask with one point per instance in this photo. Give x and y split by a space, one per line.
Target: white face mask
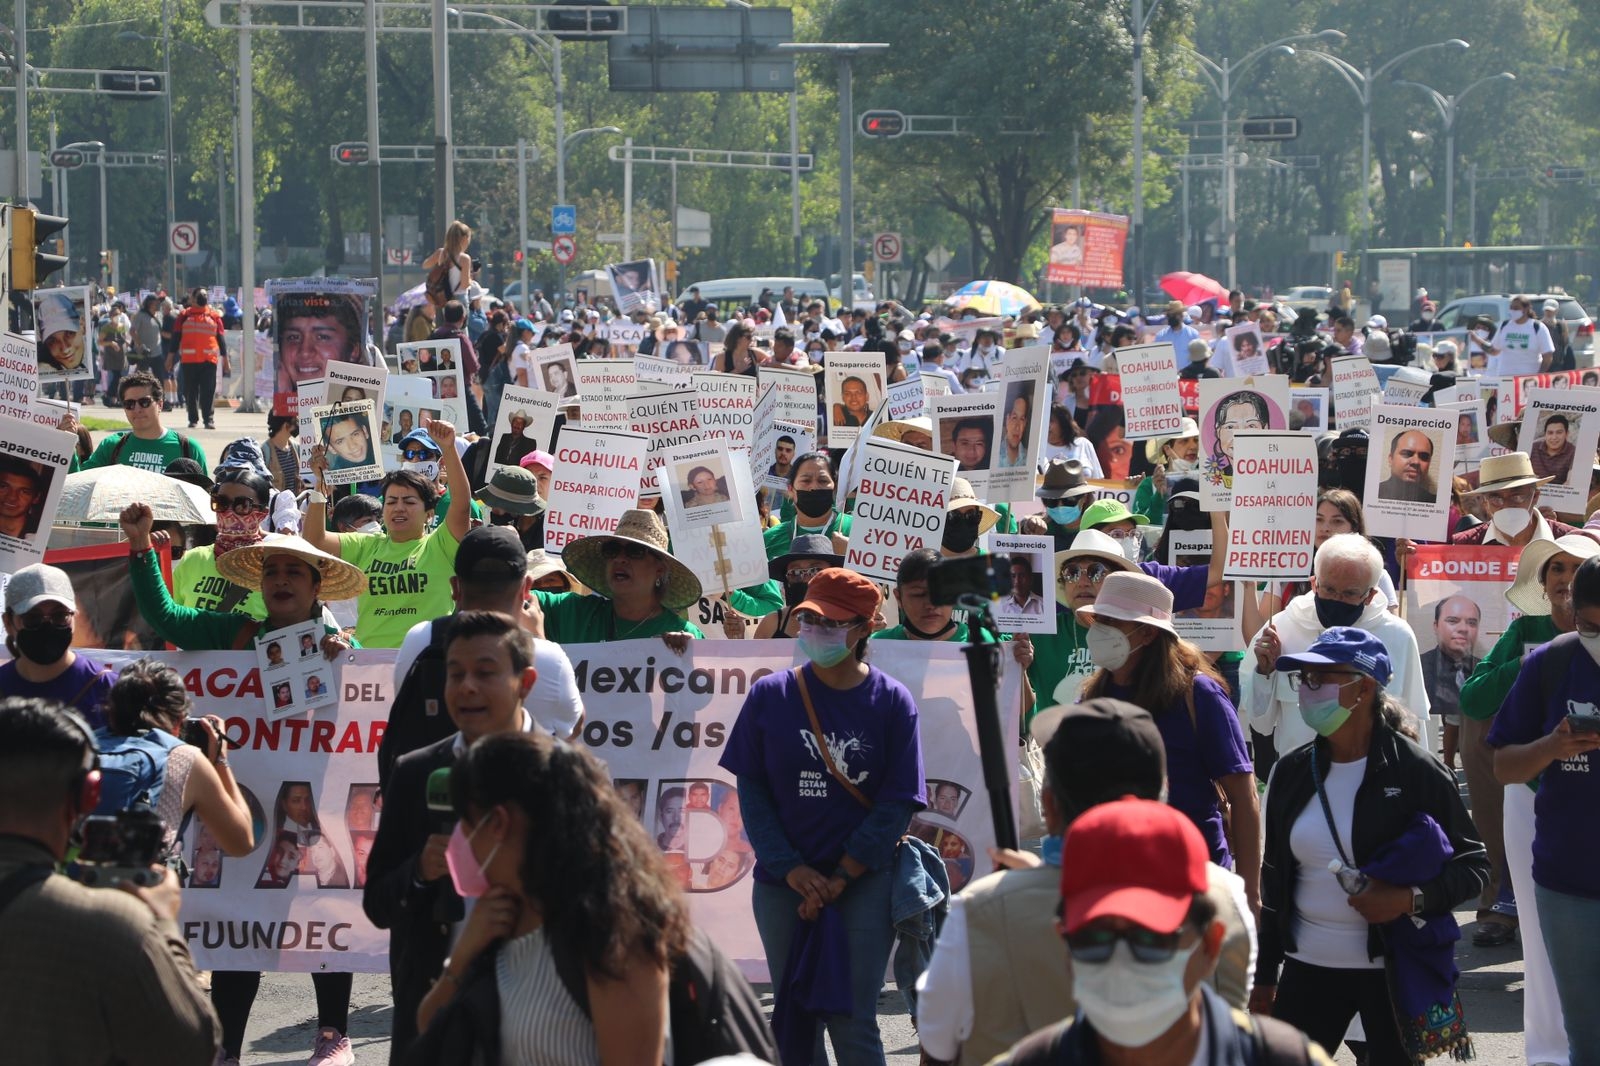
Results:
1177 466
985 348
1109 647
1510 521
1129 1002
1132 545
428 468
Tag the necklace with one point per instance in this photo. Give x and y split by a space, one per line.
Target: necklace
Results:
632 629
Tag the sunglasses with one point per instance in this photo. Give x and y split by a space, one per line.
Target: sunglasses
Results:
611 549
239 505
811 618
798 577
413 455
140 402
1096 945
1094 573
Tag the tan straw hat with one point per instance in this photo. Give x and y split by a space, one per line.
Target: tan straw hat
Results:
962 496
1527 593
1509 471
541 564
1131 597
1089 544
585 562
340 580
897 428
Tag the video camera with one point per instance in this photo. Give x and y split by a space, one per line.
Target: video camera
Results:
972 582
125 846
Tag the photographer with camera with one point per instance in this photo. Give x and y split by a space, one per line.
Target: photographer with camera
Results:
86 976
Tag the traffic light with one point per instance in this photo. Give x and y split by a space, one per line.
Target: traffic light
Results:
882 124
350 153
31 264
581 25
136 84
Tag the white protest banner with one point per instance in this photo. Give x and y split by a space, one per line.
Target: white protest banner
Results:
1229 407
1030 606
1355 383
658 724
1410 458
19 372
1472 437
1407 386
606 385
295 677
854 388
1465 584
901 502
621 333
524 423
727 404
907 399
777 442
596 479
1272 525
964 427
668 372
1024 386
1308 408
797 392
1558 426
1248 352
667 418
1215 624
33 473
349 441
1150 397
714 526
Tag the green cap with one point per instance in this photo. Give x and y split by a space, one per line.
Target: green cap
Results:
1102 512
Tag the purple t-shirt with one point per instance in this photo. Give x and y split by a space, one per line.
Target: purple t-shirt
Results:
1564 855
84 687
1195 761
1186 583
871 732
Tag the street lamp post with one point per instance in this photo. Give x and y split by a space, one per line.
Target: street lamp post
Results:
172 203
1220 76
1448 110
99 150
1138 25
564 145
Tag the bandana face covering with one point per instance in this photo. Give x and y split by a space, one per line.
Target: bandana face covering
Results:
237 531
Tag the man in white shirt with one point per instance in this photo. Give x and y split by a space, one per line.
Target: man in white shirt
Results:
1177 333
1522 342
933 357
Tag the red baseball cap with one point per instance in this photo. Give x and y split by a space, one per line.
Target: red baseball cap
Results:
841 595
1135 859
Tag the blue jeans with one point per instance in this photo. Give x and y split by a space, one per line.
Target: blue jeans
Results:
865 908
1571 929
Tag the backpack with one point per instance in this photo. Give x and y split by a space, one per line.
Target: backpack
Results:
417 716
122 443
133 769
711 1009
437 287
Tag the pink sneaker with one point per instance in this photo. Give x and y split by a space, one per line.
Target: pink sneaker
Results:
332 1049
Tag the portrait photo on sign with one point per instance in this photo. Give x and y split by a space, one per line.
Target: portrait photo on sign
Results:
1018 426
1066 245
523 424
427 357
24 489
634 285
1308 410
947 798
1249 351
852 399
1227 408
1409 472
970 438
349 442
687 353
1029 607
62 325
557 372
1553 448
700 827
312 329
953 847
1214 625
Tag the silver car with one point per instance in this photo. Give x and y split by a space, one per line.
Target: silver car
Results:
1496 307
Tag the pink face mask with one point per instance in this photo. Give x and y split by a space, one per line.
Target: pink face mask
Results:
466 873
237 531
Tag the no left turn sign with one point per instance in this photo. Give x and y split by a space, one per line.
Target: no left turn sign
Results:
183 237
563 248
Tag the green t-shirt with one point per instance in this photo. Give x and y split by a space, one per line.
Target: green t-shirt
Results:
957 635
781 536
152 455
196 583
190 628
442 508
407 582
571 618
1058 656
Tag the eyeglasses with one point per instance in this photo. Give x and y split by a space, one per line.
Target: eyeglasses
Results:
1516 498
816 621
140 402
797 577
239 505
1093 573
1096 944
611 549
1315 682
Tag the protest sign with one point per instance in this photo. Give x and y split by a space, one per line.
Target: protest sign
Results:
907 399
699 475
1150 397
295 677
64 324
33 472
1472 437
853 383
348 440
667 418
634 285
1410 457
1215 624
1086 248
1355 383
964 427
1249 352
606 386
43 411
934 385
709 498
777 442
311 393
350 382
524 423
555 368
1558 426
797 392
1308 409
1512 392
401 415
1273 513
673 373
901 502
315 321
1024 388
427 357
596 479
1030 605
727 404
1465 586
621 333
1228 407
1407 386
19 372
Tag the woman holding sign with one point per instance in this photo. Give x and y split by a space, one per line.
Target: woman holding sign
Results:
640 587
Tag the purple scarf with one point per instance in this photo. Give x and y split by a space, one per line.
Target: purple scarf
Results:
815 983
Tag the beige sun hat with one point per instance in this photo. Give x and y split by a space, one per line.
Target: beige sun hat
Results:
584 561
1131 597
1089 544
340 580
1526 593
897 428
962 496
1509 471
1186 429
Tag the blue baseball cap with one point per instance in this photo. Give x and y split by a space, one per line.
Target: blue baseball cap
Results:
522 324
1344 646
422 437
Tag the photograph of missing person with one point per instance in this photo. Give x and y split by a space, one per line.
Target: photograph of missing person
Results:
969 438
317 687
283 862
702 822
308 646
1410 477
1308 410
282 694
1027 586
703 483
1553 451
517 441
947 798
953 847
632 791
1017 426
633 285
347 439
1245 341
205 861
559 375
295 820
782 456
363 809
351 394
1067 248
314 329
24 487
275 654
688 353
858 396
63 343
361 847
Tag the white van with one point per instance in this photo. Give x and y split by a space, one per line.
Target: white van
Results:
730 293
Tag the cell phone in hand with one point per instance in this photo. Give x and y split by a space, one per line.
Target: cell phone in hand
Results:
1584 723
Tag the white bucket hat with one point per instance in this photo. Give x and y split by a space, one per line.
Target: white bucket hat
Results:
1131 597
1526 593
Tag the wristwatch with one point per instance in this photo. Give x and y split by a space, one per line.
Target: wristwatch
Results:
1416 899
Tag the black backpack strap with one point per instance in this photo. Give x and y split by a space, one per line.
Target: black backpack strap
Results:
186 448
1278 1043
19 881
117 448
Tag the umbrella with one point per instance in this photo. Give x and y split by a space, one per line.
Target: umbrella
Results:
99 495
992 298
411 298
1190 289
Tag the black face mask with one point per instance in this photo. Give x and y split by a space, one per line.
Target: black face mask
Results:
1338 613
44 644
961 529
794 592
813 503
502 518
1174 321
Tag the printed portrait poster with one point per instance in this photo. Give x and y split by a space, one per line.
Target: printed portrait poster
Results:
700 475
1228 407
667 418
349 441
556 371
596 479
1410 461
1456 606
1150 396
963 427
1355 383
1512 392
315 321
525 423
295 676
634 285
1472 437
428 357
33 472
1249 350
727 406
796 390
853 386
1030 606
1273 512
1024 388
777 442
1215 624
1308 408
606 387
1559 426
64 325
1086 248
725 556
901 501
